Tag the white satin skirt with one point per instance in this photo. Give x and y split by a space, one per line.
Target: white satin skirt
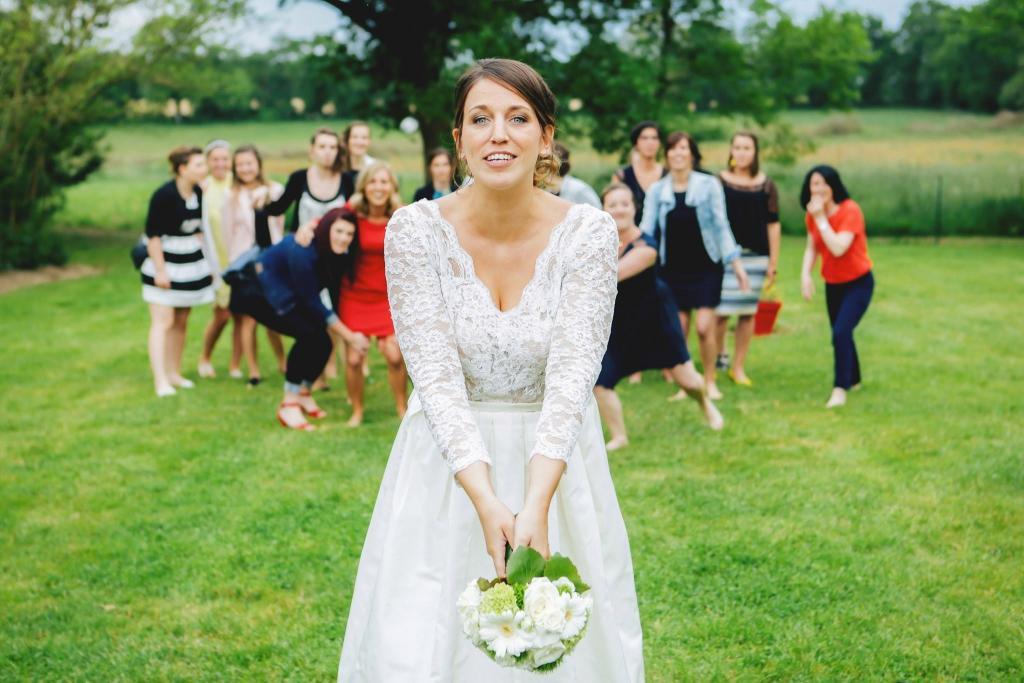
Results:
424 544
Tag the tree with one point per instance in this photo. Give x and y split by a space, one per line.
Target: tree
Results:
415 51
51 81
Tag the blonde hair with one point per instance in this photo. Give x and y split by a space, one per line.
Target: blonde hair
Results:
358 200
614 187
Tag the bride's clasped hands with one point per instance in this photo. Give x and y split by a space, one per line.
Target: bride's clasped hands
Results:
500 525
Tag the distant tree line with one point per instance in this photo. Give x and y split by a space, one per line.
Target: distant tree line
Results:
612 63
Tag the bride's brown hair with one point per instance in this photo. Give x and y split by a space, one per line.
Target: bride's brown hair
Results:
524 80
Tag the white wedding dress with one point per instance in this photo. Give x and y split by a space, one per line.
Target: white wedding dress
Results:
496 387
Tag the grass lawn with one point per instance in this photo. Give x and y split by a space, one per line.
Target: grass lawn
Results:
891 160
191 538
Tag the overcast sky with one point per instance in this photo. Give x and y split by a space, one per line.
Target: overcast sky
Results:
305 18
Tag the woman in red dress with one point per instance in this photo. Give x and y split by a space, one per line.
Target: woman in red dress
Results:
364 301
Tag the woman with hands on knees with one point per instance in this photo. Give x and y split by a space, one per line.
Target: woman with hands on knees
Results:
835 231
502 297
291 279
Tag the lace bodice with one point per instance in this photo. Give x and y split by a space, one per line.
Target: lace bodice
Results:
460 347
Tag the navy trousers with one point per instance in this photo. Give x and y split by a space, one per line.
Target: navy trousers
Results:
312 346
847 304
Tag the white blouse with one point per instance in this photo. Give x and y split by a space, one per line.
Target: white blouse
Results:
459 347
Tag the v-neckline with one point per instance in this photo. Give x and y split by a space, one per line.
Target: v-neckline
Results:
472 264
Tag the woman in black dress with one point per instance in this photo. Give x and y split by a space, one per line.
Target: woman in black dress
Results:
685 215
643 169
645 326
441 169
320 187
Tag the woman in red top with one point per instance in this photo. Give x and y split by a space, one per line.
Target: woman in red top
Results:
835 230
364 301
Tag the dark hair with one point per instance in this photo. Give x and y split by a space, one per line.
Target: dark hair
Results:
755 165
247 149
831 176
639 128
522 79
180 156
335 266
440 152
674 139
612 187
346 134
562 152
340 164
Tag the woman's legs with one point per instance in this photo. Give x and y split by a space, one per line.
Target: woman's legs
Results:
689 381
721 330
278 348
744 334
218 322
176 346
354 382
708 349
161 321
847 304
610 408
398 376
247 324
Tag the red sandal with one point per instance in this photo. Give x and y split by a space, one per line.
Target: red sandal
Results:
317 414
304 427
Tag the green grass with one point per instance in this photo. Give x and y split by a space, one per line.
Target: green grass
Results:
194 539
891 165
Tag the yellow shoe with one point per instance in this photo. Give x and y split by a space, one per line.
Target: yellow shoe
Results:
745 382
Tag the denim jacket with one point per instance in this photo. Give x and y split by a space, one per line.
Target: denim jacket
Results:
289 277
704 192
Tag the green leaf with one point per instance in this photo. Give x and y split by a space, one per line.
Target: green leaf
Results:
524 564
560 566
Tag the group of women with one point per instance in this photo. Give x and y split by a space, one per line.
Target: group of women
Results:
694 250
322 284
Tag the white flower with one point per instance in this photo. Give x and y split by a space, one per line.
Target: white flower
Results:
504 634
543 603
575 610
564 585
469 602
547 654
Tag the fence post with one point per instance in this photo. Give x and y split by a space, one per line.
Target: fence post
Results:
938 210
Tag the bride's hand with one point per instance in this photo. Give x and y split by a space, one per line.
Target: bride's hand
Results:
531 529
497 522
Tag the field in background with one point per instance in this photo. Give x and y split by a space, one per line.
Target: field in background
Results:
891 161
192 538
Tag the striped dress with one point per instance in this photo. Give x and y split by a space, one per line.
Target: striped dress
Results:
751 209
178 223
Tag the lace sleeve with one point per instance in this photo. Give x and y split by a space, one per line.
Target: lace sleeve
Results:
425 335
582 325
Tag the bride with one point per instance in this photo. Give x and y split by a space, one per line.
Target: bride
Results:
502 298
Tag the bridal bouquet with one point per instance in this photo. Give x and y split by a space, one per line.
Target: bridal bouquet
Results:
534 618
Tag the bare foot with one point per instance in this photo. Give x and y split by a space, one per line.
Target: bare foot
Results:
206 370
636 378
837 399
616 443
713 393
355 420
678 396
181 382
711 414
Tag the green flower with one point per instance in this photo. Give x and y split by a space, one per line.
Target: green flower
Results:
498 599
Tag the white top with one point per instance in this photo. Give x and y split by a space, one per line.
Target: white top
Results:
460 347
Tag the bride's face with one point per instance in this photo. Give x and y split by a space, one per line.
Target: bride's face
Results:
501 136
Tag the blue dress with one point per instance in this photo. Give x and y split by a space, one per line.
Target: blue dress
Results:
646 334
